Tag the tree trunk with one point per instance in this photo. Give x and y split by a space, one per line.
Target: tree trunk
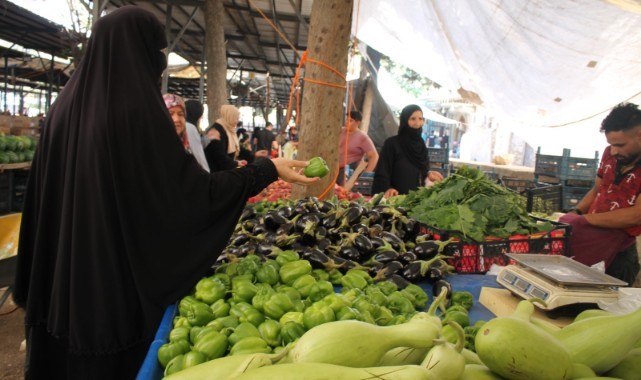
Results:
216 58
322 110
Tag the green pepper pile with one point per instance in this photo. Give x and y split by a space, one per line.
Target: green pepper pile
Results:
254 306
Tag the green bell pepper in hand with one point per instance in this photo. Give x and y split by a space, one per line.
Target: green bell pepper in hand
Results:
209 290
270 332
199 314
317 168
290 332
463 298
278 304
290 271
212 344
170 350
317 314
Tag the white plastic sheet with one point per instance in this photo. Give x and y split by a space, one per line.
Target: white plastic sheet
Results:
532 63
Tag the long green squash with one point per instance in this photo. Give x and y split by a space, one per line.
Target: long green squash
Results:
227 367
444 361
359 344
516 349
408 355
479 372
324 371
629 368
601 342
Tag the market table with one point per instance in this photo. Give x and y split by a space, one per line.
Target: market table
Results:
151 369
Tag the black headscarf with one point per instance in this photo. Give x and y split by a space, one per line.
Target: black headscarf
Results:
119 221
194 111
413 143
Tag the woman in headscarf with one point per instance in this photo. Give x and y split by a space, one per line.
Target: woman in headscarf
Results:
185 116
403 163
119 221
224 146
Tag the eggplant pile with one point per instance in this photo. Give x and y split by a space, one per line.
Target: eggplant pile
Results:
381 239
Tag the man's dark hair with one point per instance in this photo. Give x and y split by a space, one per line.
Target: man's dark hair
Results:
356 115
269 124
623 117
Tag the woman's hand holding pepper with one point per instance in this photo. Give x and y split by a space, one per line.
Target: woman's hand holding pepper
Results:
286 171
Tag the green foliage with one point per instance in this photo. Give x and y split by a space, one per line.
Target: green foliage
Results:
472 205
409 80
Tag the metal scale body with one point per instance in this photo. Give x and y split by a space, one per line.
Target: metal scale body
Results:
557 280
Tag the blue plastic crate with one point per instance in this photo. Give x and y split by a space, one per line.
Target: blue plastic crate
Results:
578 168
151 368
438 155
572 195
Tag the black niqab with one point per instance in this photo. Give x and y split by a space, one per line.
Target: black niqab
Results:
413 143
119 221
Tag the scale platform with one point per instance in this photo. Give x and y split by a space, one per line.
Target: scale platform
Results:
557 280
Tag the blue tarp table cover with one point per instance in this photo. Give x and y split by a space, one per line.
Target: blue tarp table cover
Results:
151 369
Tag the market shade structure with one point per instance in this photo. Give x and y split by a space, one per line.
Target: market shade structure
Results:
531 63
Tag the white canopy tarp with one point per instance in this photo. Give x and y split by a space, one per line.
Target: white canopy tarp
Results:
536 63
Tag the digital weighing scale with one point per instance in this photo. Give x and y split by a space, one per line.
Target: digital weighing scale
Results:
557 280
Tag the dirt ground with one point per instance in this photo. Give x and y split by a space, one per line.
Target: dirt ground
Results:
12 335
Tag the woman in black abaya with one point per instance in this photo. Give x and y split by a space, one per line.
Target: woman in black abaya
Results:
403 163
119 221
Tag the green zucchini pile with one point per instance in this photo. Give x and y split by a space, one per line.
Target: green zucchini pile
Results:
16 149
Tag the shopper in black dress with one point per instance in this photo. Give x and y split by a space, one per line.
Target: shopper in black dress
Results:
403 164
119 221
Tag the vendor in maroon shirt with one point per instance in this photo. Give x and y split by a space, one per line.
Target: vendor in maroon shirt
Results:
607 220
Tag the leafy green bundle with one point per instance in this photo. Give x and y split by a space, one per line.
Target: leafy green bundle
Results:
473 206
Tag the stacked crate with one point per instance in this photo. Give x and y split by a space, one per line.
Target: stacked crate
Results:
439 159
363 183
574 175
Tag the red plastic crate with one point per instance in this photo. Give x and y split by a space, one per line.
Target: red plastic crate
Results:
478 257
